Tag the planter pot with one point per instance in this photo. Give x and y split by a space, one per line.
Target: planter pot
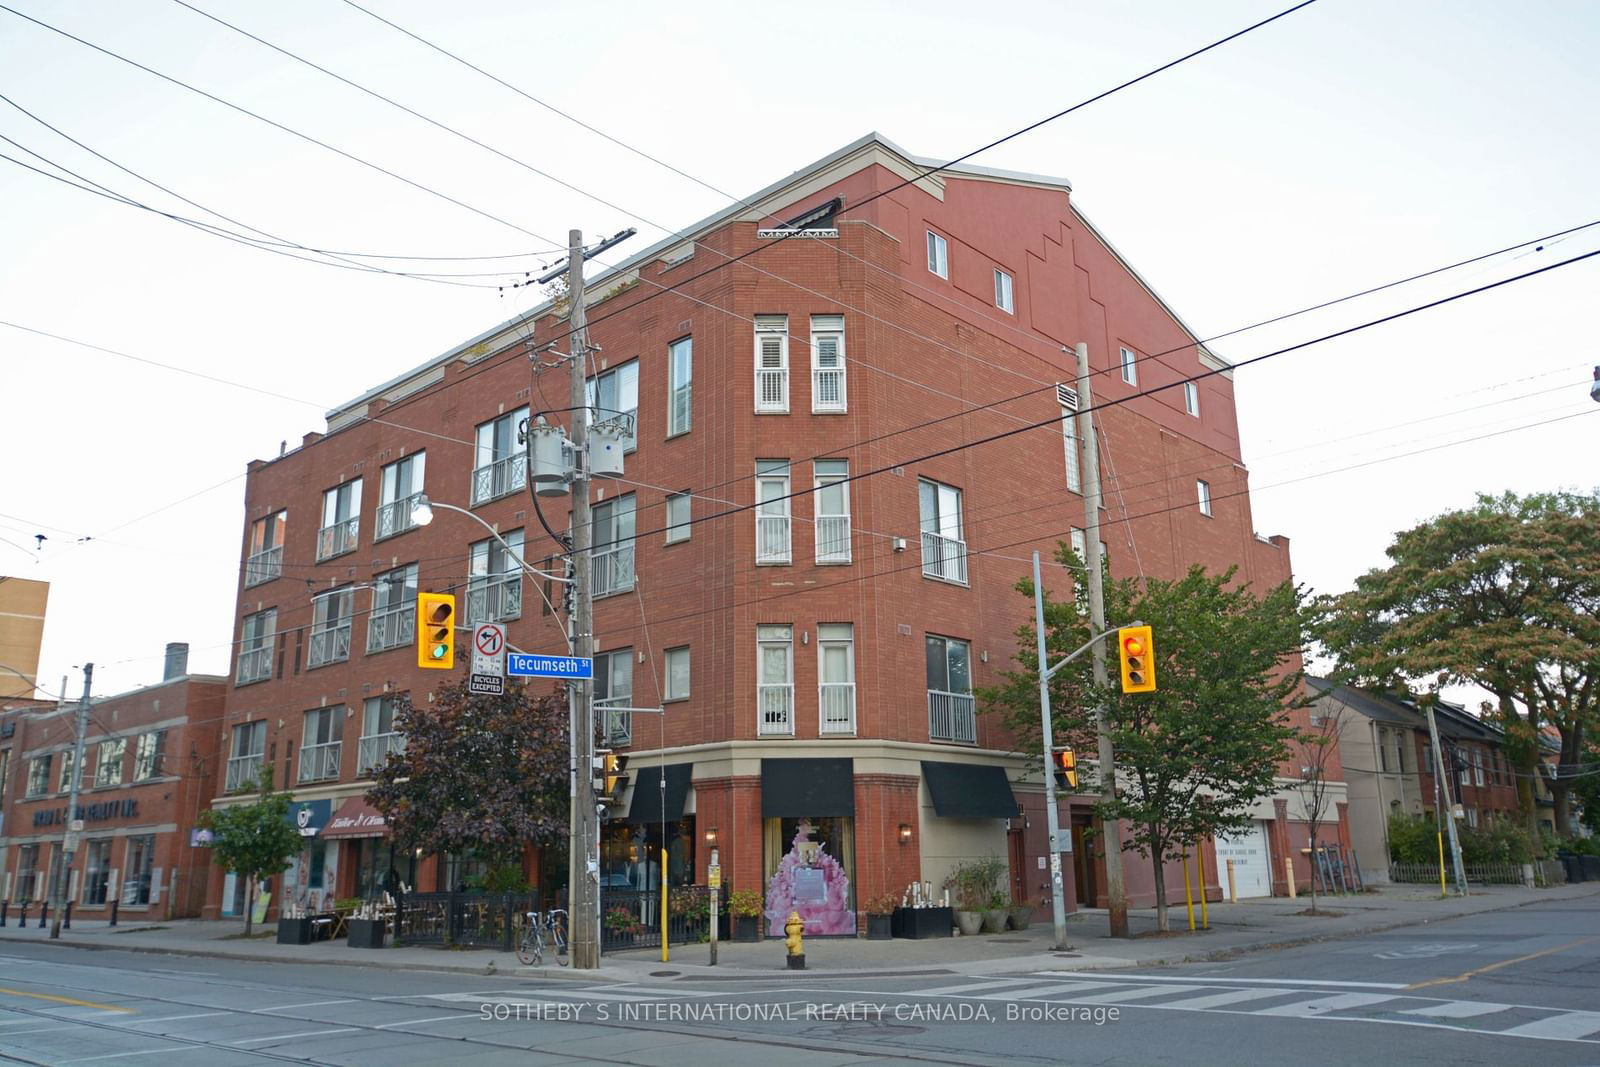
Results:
366 933
880 927
969 922
747 928
1021 918
994 920
294 931
919 923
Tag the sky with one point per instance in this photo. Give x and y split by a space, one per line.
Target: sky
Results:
1349 144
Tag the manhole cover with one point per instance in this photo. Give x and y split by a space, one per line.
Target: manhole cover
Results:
1068 955
665 974
1008 941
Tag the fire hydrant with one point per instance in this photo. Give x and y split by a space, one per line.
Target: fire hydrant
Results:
794 928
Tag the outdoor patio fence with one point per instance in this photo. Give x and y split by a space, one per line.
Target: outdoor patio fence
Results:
631 918
464 920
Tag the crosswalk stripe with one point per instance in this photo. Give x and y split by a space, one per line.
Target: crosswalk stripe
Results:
1236 996
1322 1005
1457 1009
1139 993
969 987
1037 992
1569 1024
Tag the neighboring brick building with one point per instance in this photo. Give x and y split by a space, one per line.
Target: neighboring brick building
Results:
150 768
816 656
22 611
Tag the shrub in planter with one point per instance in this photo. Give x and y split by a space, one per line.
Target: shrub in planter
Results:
1022 914
880 916
996 914
976 884
745 907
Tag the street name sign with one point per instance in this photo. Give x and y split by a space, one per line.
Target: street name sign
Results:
528 665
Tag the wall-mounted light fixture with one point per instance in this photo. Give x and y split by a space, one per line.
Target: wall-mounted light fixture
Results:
711 836
905 833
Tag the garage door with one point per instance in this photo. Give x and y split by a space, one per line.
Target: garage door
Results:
1252 872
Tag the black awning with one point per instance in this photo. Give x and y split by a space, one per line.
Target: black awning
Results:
970 790
796 788
645 805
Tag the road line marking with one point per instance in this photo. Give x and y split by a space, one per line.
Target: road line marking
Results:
291 1037
947 990
142 1052
290 1007
1458 1009
1322 1005
430 1019
40 1030
1228 981
1135 994
175 1018
1217 1000
1037 992
68 1000
1465 975
1572 1024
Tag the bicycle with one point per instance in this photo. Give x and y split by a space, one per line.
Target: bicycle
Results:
530 948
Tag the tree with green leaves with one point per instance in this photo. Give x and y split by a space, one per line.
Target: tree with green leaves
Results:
480 775
1504 595
254 840
1194 756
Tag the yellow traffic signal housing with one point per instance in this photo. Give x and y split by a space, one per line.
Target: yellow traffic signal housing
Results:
436 631
1067 766
1136 646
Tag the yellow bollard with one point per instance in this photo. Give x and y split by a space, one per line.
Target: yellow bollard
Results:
1188 899
1288 865
663 884
1443 892
1205 916
1233 887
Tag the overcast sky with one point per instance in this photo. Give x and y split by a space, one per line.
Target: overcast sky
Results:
1346 145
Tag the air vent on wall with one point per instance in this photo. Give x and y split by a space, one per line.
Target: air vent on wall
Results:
1067 397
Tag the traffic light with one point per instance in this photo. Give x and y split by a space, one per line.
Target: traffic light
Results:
1137 649
1067 768
436 630
608 777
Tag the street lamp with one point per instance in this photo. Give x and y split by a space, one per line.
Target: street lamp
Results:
422 514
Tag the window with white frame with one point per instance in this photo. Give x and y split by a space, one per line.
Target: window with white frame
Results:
952 715
677 674
1477 767
614 395
330 627
494 580
136 871
1203 492
1191 398
1003 298
378 735
321 744
938 255
678 517
772 511
398 489
109 758
341 520
827 364
499 463
613 688
832 507
775 684
680 386
256 641
944 546
264 558
613 526
38 776
5 770
393 621
97 872
69 759
27 874
772 364
1130 367
836 678
244 760
148 755
1068 399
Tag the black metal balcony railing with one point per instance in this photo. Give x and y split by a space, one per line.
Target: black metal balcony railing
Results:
631 918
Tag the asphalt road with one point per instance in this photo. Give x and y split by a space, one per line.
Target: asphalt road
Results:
1516 986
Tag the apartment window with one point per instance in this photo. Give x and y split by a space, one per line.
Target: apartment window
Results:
249 745
1191 398
951 713
68 760
1383 750
330 627
393 621
97 872
341 520
1203 492
109 758
137 871
1472 817
615 395
772 364
944 546
772 511
1477 768
613 688
677 674
39 776
680 386
256 642
677 517
378 735
613 526
148 753
320 745
836 678
938 255
775 685
832 506
1130 367
264 558
494 580
827 364
5 771
500 463
1002 292
398 489
27 873
1068 398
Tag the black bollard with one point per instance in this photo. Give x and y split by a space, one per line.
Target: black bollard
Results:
66 917
44 913
114 902
4 906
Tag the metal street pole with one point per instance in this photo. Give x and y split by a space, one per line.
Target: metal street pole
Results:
1448 807
69 840
1116 891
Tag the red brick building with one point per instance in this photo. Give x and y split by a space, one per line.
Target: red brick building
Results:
815 651
150 767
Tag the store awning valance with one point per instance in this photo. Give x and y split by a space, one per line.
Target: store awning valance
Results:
356 818
969 790
649 803
796 788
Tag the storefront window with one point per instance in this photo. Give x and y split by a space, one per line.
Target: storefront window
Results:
375 856
96 871
630 854
136 880
463 873
810 866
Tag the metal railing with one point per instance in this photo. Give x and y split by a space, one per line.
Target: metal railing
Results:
242 771
263 566
255 664
772 389
341 537
613 569
499 478
836 708
493 600
827 389
772 539
373 750
464 920
392 627
616 726
944 558
833 539
776 709
1482 873
318 763
394 517
951 717
631 918
329 646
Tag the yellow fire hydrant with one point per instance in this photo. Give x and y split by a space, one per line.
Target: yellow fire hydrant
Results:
794 928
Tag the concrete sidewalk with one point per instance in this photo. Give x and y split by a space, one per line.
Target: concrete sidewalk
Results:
1249 926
